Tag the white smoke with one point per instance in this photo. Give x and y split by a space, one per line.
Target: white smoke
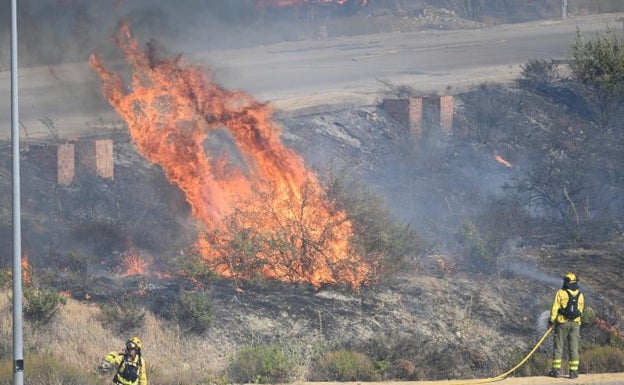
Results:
542 322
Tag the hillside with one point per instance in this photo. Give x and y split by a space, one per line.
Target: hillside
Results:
469 304
439 307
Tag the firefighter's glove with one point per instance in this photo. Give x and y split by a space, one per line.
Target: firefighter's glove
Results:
550 324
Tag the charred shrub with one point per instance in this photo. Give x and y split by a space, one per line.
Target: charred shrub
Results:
539 73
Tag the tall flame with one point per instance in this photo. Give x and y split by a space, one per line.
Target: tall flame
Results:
270 200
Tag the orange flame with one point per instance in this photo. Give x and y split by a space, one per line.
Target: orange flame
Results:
501 160
133 265
270 200
26 278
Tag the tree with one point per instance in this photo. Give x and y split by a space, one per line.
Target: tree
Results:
598 64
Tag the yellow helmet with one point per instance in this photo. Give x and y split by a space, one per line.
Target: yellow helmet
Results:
570 278
134 343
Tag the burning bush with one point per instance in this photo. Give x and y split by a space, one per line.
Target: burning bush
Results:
268 199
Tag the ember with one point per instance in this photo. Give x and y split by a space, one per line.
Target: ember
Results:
266 216
501 160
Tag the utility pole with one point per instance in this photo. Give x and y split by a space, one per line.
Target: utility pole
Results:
18 348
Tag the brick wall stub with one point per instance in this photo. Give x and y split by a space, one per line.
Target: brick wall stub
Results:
438 112
408 112
97 156
57 159
422 114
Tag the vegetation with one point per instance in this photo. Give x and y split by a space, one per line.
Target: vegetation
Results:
560 187
598 65
41 305
193 311
50 370
265 364
344 365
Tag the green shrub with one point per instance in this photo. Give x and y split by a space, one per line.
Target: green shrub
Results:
194 267
265 364
588 317
48 370
193 311
602 359
41 306
377 231
538 365
5 277
480 253
344 365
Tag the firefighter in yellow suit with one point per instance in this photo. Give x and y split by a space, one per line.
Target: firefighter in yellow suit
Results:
567 327
131 368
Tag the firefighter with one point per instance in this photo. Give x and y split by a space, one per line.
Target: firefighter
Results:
131 369
565 317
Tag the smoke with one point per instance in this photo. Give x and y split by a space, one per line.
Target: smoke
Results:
58 31
531 272
542 322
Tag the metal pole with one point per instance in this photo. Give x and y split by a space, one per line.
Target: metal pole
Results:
564 9
18 349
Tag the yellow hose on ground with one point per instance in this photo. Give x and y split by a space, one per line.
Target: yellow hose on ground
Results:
502 376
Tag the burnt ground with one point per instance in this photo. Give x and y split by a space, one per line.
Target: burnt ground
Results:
437 308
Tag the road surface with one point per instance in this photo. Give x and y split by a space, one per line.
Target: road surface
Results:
584 379
66 99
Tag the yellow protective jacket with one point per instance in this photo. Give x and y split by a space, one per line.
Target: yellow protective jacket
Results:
120 361
561 301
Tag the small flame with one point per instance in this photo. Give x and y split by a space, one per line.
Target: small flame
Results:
26 278
133 265
501 160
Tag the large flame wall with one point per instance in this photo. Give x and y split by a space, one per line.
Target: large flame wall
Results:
271 201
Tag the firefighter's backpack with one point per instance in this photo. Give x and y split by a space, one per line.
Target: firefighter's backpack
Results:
571 311
130 371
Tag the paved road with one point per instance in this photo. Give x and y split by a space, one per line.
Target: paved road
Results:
296 75
584 379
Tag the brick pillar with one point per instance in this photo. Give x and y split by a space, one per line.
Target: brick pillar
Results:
97 156
438 112
58 159
408 112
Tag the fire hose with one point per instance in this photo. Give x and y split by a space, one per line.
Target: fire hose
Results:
502 376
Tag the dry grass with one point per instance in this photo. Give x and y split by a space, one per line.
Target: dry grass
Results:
77 335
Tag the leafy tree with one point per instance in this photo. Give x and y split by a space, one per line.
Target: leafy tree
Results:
598 64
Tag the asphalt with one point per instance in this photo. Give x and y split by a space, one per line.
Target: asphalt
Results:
583 379
307 77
